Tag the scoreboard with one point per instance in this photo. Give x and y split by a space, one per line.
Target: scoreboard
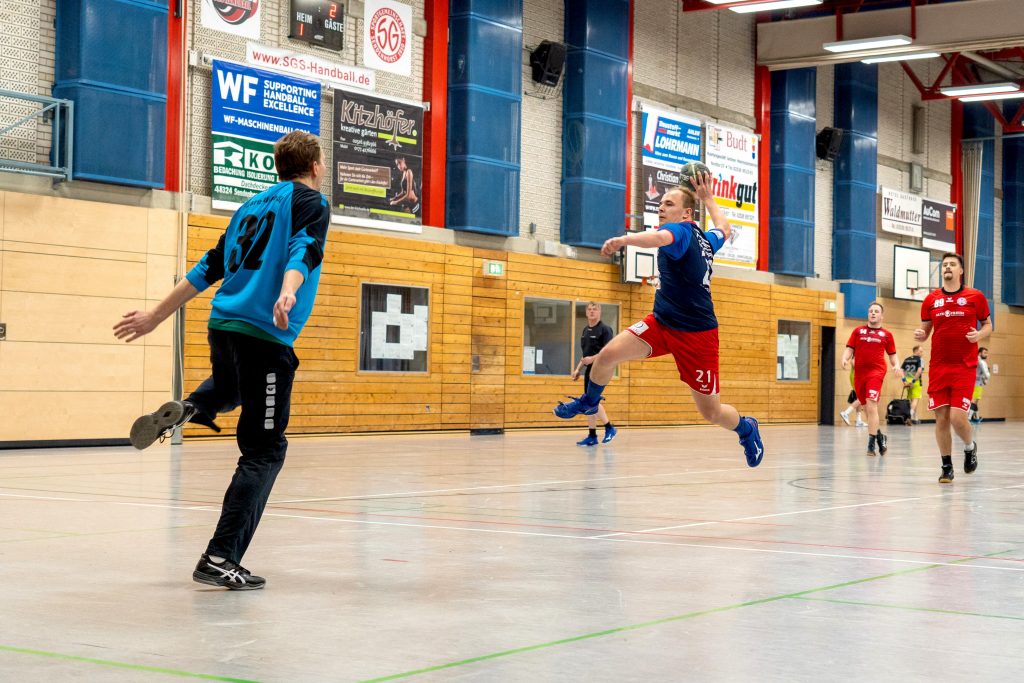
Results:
318 22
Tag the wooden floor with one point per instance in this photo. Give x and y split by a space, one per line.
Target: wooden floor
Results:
522 557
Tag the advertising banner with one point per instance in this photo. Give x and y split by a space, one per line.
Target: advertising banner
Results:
901 212
732 156
669 141
387 36
938 225
237 17
250 110
310 66
378 157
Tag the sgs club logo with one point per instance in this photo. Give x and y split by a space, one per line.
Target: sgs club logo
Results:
387 35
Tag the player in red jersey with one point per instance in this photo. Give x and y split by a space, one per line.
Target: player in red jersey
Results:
959 316
870 344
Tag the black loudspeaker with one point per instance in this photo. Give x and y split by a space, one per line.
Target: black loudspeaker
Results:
828 142
547 61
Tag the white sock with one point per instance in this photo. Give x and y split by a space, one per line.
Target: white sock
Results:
215 559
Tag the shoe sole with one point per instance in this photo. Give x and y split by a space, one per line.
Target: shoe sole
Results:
943 480
148 428
845 419
871 453
202 578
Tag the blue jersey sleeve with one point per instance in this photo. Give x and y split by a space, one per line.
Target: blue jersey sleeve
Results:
681 237
717 239
209 269
311 218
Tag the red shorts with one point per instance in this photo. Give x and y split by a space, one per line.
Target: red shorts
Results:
868 386
950 385
695 353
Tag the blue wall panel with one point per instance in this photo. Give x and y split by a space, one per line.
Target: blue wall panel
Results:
595 107
791 163
855 185
485 46
979 123
1013 220
111 60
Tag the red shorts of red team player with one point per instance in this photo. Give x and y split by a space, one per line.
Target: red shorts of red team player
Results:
868 387
950 385
695 353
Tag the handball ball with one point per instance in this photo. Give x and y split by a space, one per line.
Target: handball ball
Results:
691 169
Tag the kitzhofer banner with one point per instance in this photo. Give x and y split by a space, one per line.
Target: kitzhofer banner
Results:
669 142
252 109
378 157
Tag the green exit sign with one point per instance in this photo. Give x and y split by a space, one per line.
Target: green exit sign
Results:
494 268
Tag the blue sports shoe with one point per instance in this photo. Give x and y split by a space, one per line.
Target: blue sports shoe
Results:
589 441
609 434
577 406
752 446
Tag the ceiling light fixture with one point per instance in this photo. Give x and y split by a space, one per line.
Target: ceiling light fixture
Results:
772 4
901 58
867 43
980 89
996 96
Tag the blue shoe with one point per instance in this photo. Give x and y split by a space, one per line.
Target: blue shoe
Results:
577 406
752 446
589 441
609 434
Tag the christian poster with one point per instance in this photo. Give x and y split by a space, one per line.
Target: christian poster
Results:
669 142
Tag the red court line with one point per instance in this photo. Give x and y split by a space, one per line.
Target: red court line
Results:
563 527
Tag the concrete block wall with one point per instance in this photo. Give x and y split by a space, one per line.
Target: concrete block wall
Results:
696 63
27 40
540 187
274 32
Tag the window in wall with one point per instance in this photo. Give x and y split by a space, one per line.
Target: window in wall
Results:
793 357
393 328
547 337
609 316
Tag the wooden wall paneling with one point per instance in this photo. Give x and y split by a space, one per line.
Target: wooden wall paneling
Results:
487 379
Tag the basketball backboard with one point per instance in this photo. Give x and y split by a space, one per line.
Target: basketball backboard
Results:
911 273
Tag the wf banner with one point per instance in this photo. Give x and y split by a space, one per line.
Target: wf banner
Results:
251 109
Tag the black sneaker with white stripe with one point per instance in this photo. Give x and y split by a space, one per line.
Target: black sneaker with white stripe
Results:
226 574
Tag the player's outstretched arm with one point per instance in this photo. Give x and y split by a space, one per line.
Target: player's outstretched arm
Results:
702 183
135 324
649 238
921 333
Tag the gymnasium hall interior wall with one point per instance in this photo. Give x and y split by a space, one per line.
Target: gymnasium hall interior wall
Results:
700 64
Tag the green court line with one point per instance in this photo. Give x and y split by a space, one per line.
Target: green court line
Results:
121 665
915 609
667 620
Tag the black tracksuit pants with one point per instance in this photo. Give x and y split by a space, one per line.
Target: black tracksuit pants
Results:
257 375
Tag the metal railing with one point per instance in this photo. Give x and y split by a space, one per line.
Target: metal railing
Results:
62 113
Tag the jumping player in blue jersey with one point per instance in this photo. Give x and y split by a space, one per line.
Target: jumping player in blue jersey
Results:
269 259
683 322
